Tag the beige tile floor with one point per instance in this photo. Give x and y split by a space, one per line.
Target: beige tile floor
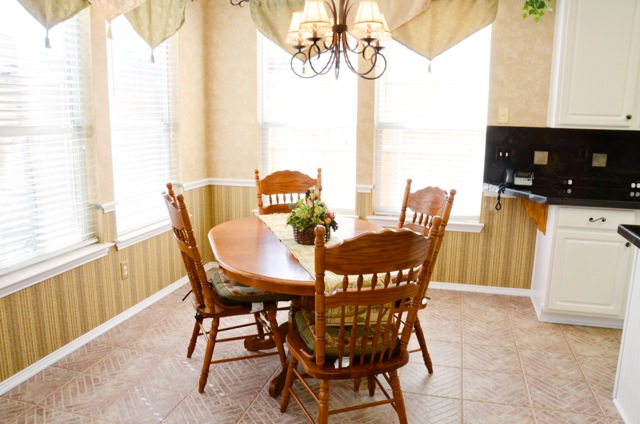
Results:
494 363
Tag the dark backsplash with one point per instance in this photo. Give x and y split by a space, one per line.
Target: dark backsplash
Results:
570 156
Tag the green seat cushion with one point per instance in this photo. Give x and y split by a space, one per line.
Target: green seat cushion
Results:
233 293
306 326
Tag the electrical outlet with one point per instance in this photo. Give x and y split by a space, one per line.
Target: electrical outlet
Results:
124 270
503 154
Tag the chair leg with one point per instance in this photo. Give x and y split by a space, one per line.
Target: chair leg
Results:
371 385
286 393
394 381
323 402
423 345
211 344
194 339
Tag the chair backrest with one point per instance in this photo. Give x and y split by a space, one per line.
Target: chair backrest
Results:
381 277
283 187
422 206
204 296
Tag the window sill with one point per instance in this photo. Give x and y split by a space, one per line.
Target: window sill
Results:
146 233
453 225
34 274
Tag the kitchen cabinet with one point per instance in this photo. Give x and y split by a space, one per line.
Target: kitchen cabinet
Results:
595 78
582 266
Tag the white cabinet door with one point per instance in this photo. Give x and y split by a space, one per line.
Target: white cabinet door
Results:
590 274
596 62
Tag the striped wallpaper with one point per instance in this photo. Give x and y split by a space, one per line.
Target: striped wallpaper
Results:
40 319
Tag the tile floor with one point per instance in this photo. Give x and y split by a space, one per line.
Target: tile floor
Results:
494 363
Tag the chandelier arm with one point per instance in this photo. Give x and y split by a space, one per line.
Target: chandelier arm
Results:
373 60
346 49
296 56
330 61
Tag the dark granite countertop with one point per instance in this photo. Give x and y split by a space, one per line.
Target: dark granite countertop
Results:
631 233
587 197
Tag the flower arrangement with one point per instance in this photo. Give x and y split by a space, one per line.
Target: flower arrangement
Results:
308 212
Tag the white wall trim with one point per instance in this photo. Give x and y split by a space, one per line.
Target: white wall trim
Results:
453 225
504 291
34 274
364 188
69 348
232 182
108 207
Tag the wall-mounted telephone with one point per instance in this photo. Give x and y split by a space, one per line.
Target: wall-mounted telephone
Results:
517 178
513 178
508 177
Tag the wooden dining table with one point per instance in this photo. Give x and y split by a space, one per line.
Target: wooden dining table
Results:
249 252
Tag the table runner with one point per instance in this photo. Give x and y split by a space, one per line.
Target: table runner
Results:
305 254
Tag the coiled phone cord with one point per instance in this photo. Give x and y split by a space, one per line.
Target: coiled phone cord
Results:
501 188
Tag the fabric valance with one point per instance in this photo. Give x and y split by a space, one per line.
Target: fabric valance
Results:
153 20
428 27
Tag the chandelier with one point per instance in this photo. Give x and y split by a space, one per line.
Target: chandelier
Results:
323 41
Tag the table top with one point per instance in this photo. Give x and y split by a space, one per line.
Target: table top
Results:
250 253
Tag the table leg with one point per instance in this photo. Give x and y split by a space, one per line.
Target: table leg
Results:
277 384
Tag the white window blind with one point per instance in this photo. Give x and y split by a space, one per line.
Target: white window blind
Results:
431 124
46 161
309 124
144 125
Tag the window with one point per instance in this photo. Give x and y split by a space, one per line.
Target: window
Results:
431 124
46 160
308 124
144 116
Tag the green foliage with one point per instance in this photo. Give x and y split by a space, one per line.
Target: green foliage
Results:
309 212
536 8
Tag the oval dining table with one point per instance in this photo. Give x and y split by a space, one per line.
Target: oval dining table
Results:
249 252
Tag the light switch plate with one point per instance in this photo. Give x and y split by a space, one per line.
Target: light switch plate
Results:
599 160
540 158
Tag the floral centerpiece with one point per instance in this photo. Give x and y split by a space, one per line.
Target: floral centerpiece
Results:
306 214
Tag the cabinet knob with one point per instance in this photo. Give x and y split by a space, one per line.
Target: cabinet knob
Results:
628 117
602 218
627 244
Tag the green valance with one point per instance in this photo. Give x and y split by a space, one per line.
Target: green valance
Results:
428 27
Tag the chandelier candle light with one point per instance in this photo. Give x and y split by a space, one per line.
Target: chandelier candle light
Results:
317 36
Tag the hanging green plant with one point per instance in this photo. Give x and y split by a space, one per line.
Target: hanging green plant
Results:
536 8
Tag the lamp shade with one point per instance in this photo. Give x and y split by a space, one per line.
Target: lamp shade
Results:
314 22
369 21
293 35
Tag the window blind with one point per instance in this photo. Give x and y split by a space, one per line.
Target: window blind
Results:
144 125
431 122
46 146
308 124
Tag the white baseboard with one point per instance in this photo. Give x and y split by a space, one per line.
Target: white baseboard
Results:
69 348
505 291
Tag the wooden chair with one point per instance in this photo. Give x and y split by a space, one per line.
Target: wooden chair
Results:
216 296
371 276
283 187
423 205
